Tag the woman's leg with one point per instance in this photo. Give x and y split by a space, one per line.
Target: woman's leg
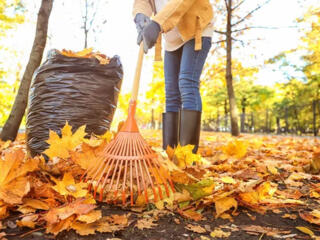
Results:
170 119
191 66
171 74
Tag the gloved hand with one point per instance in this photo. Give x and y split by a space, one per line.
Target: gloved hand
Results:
141 21
150 35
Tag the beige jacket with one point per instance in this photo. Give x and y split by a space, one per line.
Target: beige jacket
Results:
191 17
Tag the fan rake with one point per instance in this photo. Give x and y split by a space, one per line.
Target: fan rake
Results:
128 163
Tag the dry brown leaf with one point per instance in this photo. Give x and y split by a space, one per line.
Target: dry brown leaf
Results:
60 226
312 217
269 231
28 221
145 223
190 214
61 213
195 228
290 216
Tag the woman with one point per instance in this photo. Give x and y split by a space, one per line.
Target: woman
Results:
187 29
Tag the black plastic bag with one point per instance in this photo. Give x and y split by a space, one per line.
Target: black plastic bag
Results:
78 90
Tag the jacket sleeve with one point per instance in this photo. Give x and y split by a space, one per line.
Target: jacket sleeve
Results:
171 14
142 6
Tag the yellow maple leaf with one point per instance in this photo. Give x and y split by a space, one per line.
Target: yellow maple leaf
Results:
237 148
13 183
108 136
185 157
68 186
60 147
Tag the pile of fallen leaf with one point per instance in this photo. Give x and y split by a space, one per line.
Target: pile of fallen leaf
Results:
260 173
86 53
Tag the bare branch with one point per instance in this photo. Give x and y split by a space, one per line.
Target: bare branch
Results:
261 27
250 13
235 7
238 40
227 6
220 32
221 41
97 4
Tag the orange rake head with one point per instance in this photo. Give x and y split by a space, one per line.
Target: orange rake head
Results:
128 164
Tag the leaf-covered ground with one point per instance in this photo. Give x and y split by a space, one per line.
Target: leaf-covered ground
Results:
250 187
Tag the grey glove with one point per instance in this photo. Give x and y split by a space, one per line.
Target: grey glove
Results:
141 21
150 35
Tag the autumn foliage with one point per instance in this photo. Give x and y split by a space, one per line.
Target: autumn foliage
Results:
261 173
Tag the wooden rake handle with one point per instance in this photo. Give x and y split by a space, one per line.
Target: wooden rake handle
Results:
136 81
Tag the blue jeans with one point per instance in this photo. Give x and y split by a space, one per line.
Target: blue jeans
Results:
182 70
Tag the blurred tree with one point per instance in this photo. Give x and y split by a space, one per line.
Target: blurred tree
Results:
11 127
235 25
155 95
89 18
10 15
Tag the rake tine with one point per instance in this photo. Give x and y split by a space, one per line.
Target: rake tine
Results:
131 182
117 183
137 176
124 183
148 174
145 185
107 168
143 182
105 180
113 175
120 153
100 179
156 172
150 181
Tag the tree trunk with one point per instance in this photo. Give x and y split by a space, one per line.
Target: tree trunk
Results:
267 121
229 80
153 124
314 110
243 115
278 126
226 113
252 122
218 121
286 120
11 126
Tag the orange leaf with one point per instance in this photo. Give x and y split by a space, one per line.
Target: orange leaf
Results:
75 208
225 204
